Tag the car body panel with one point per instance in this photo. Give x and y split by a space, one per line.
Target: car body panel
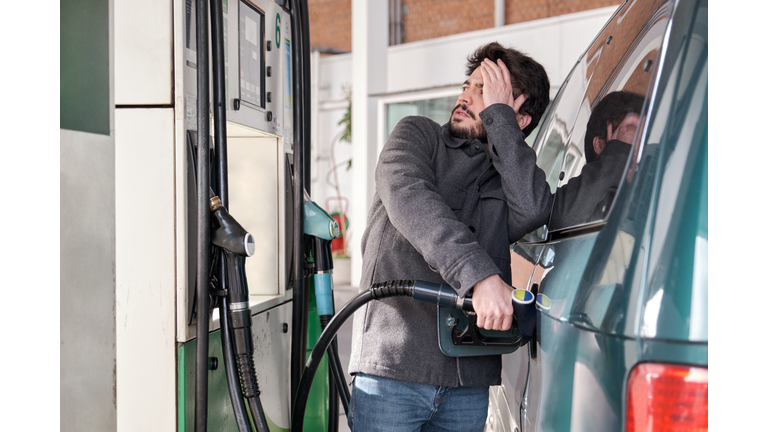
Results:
676 272
630 286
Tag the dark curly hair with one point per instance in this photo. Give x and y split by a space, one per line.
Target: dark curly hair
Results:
612 109
528 77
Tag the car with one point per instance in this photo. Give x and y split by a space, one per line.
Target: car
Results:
621 338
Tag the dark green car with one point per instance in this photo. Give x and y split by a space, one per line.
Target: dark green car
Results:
621 340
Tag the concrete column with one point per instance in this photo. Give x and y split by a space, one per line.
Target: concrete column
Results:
369 66
498 13
87 263
87 258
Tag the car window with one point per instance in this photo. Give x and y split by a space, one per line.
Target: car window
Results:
586 143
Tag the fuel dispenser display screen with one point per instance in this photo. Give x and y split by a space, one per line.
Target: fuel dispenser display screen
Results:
251 55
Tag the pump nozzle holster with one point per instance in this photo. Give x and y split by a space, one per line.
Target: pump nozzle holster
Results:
229 234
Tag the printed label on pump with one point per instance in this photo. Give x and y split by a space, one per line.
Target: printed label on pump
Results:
288 86
278 35
191 39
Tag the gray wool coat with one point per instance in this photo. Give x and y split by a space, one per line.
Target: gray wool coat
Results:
444 211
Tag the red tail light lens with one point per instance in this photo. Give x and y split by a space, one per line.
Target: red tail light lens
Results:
665 397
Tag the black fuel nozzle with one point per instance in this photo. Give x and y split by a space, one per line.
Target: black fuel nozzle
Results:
237 244
229 234
240 322
439 294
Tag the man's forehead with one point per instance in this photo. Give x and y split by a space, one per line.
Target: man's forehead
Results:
474 82
476 79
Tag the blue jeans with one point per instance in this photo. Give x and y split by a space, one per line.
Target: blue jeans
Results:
383 404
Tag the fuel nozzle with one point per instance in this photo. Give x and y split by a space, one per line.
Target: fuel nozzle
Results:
238 244
229 234
317 222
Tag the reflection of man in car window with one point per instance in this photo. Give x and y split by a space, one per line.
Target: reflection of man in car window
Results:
608 141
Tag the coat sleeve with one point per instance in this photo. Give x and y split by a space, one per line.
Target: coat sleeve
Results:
406 183
525 186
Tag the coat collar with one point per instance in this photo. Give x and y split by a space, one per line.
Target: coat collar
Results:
616 148
452 141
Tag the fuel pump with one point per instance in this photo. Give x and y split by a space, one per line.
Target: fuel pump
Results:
266 103
233 244
321 229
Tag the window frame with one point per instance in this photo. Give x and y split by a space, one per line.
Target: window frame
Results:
382 100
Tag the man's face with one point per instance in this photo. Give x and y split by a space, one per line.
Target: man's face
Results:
465 122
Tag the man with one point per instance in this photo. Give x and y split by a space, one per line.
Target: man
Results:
449 201
610 131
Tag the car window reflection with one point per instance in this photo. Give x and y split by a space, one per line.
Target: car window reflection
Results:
621 61
608 141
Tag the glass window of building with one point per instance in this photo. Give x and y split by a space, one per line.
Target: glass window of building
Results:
438 109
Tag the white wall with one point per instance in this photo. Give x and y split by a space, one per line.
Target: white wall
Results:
555 42
423 69
335 74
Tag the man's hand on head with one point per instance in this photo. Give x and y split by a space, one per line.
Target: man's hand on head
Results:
492 301
626 130
497 85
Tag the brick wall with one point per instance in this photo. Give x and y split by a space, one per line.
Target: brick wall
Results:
331 24
427 19
516 11
610 55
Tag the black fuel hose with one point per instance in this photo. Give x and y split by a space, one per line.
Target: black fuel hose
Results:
442 295
301 111
337 385
333 408
222 191
334 365
254 403
242 339
203 221
233 381
338 371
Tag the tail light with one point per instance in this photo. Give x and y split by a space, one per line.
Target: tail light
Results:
666 397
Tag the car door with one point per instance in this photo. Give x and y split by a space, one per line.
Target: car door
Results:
585 257
507 399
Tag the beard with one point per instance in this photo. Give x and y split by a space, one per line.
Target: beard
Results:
470 132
